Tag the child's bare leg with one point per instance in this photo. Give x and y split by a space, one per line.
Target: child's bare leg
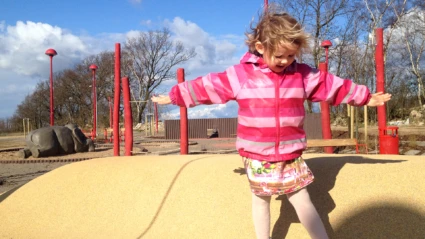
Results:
307 214
261 216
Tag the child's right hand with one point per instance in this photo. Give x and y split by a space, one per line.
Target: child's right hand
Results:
161 99
379 99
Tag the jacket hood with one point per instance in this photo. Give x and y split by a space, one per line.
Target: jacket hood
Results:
253 59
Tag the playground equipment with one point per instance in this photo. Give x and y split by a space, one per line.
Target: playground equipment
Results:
27 126
184 129
93 68
150 119
51 53
116 117
388 142
325 113
384 140
128 119
324 106
387 145
55 140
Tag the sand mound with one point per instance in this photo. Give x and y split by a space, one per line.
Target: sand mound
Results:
207 196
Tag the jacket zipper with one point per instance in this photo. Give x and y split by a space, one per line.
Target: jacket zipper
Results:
277 116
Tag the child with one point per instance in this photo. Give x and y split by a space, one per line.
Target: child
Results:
270 88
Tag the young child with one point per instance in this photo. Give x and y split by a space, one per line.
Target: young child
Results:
270 88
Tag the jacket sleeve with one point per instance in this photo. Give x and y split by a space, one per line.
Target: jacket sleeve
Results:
323 86
214 88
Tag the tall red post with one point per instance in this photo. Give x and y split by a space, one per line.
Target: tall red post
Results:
128 118
93 68
380 78
184 132
325 114
116 131
266 4
326 44
324 106
51 53
388 141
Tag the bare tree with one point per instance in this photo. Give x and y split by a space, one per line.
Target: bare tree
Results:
350 56
410 28
104 83
72 94
35 107
149 59
73 97
319 17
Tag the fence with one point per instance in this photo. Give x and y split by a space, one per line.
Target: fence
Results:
227 127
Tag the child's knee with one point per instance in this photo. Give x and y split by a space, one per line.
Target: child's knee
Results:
261 199
300 196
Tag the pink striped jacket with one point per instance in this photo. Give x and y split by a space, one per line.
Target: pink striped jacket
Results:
271 105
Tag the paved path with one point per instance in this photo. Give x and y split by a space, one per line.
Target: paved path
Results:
207 196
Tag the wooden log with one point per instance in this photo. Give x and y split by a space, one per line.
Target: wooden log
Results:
331 142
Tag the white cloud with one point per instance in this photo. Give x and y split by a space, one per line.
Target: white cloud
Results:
228 110
24 46
23 62
213 53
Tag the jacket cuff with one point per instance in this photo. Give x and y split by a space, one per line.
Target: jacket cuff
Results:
369 96
175 95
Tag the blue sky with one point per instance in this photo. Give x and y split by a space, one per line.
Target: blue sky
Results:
77 29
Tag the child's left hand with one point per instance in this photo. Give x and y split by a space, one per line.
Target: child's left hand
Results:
379 99
161 99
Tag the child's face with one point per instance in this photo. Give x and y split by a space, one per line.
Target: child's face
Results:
280 59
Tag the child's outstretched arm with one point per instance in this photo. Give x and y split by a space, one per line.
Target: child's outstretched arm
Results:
379 99
323 86
161 99
214 88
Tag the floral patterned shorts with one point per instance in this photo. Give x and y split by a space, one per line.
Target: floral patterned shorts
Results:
277 178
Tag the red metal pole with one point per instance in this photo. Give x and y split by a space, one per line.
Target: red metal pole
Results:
52 118
94 104
184 133
128 118
93 68
51 53
266 4
326 44
380 78
116 132
327 52
325 112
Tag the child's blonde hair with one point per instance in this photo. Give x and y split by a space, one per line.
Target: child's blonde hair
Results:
275 28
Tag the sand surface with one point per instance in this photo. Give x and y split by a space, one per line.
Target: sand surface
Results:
207 196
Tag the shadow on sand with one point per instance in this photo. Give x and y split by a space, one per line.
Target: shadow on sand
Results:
387 220
375 221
